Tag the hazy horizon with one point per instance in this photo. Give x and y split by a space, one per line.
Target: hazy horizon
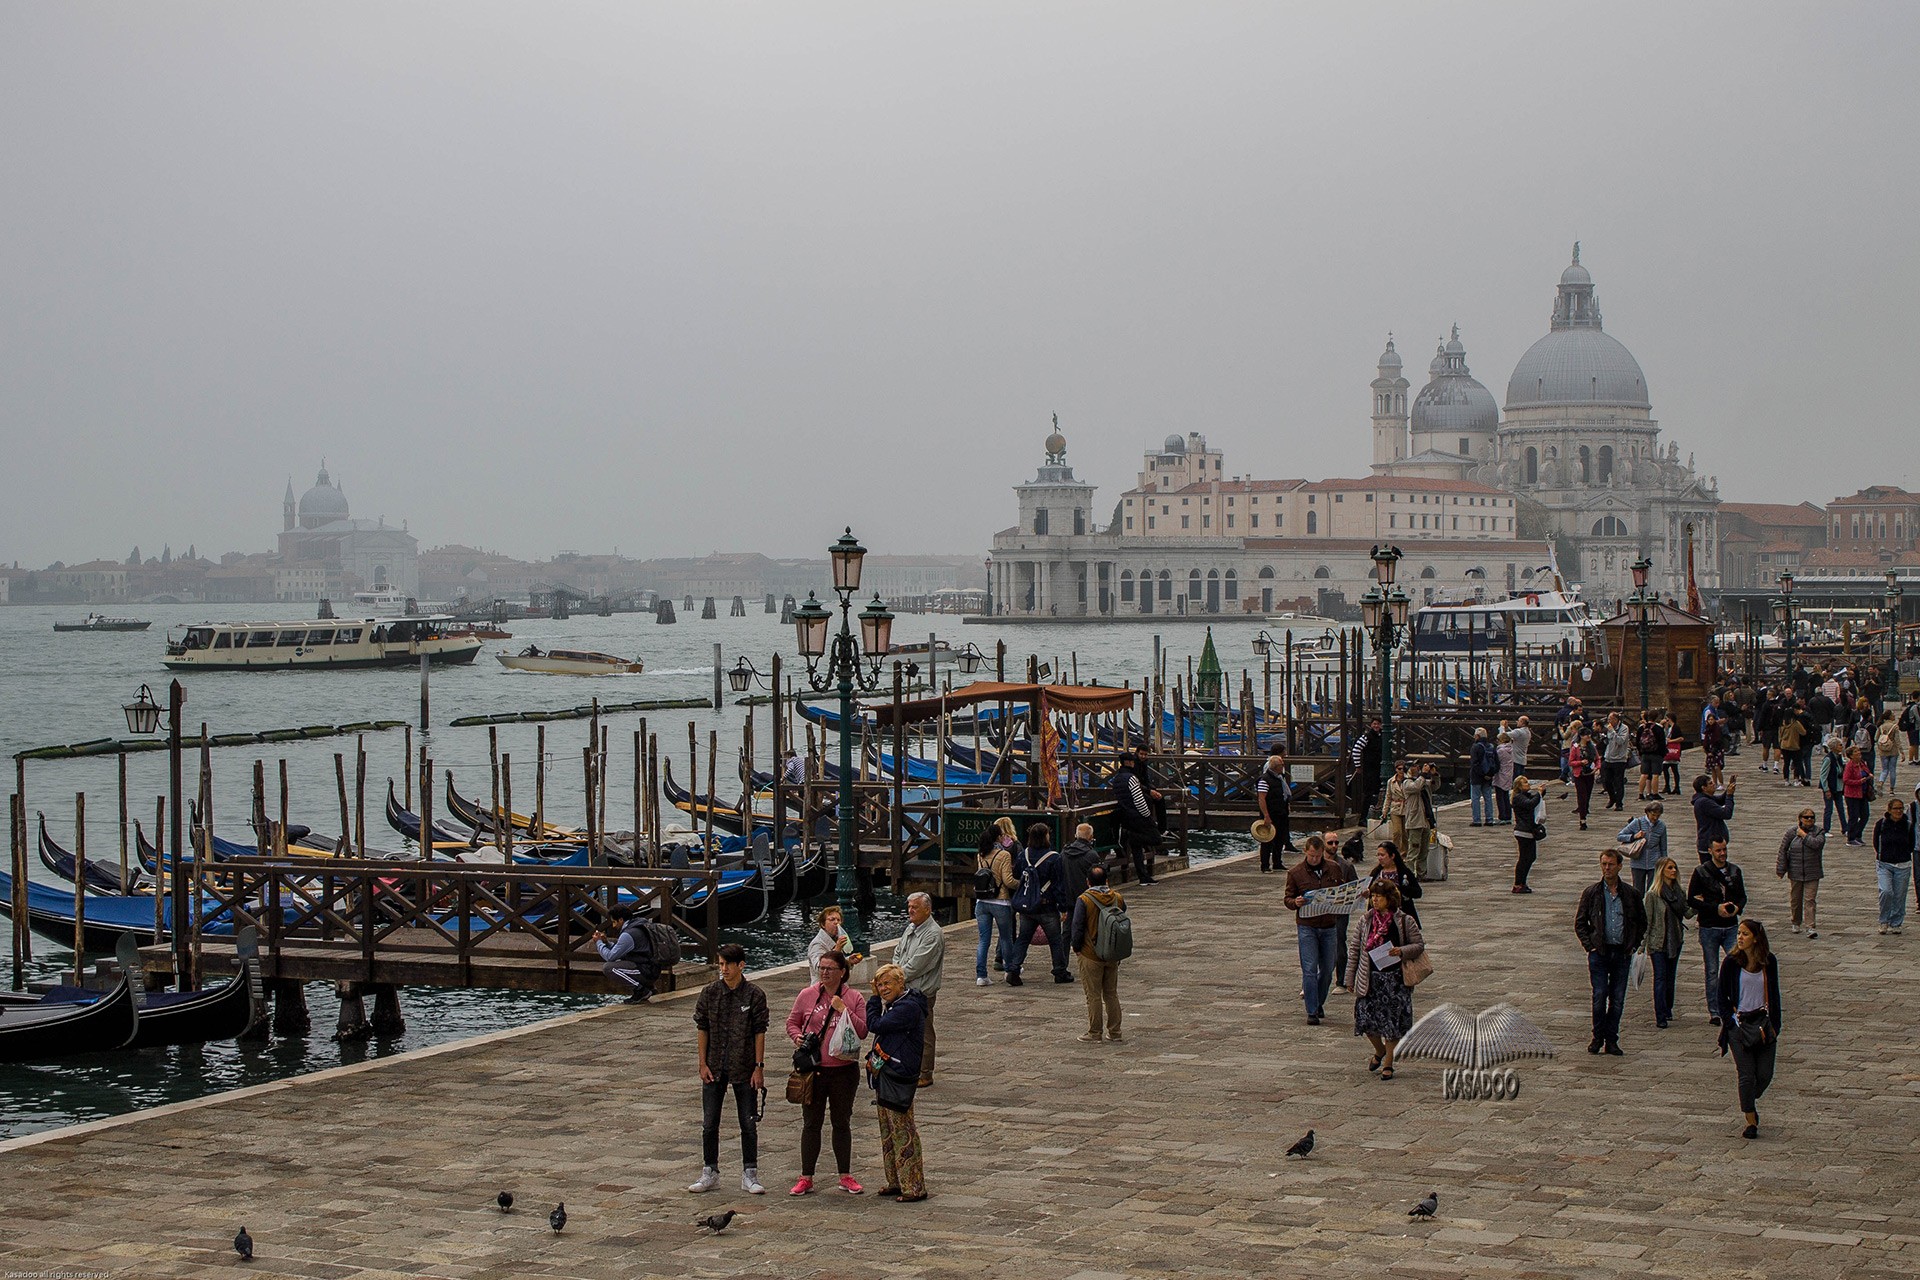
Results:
698 278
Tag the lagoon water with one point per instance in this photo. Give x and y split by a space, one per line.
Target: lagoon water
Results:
69 688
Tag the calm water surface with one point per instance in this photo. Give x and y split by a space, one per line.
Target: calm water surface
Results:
69 688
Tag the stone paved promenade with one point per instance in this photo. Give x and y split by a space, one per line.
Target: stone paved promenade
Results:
1049 1157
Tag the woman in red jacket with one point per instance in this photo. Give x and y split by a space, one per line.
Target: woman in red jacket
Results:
1856 783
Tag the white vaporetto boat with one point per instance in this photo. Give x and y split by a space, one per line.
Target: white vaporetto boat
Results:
383 602
335 644
1537 619
568 662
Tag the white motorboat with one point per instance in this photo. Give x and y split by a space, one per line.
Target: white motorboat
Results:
335 644
1533 620
569 662
383 603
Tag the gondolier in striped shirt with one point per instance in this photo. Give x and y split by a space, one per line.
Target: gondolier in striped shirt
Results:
1138 808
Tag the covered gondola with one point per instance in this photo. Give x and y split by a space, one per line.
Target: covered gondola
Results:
174 1017
101 878
39 1032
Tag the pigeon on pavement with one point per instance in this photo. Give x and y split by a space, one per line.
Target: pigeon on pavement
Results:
558 1218
1302 1148
717 1223
1425 1209
243 1245
504 1200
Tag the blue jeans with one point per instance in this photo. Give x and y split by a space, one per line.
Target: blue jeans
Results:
1894 877
1318 957
1666 969
987 915
1834 804
1608 969
1889 770
1048 922
1715 942
1482 796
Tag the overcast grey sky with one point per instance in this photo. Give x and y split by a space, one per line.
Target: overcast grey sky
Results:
685 278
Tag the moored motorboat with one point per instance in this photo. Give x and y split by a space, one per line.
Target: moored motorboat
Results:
96 622
568 662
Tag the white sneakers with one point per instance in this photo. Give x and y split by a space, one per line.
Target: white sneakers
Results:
709 1179
750 1182
983 982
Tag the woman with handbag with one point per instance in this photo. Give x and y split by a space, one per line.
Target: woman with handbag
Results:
1383 995
896 1014
1667 908
1528 829
821 1078
1750 987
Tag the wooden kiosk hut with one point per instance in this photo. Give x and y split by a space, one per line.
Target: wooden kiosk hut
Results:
1681 662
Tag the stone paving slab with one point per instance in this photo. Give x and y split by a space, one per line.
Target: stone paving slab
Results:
1160 1156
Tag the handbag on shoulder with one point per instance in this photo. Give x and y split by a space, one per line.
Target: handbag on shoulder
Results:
1417 970
800 1087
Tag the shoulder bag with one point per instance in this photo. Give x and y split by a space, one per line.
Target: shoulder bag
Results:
890 1089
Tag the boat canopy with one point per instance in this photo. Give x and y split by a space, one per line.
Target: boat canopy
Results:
1074 699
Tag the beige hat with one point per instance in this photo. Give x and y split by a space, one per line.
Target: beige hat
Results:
1262 830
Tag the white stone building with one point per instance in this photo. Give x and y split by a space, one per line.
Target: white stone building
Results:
319 532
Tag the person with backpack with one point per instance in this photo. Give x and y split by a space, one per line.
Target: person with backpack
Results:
1102 936
994 881
1482 767
1886 745
1651 741
1038 903
629 954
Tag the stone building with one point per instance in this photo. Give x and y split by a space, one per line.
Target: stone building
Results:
320 531
1761 540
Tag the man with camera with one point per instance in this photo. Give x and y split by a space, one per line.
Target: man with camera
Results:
629 953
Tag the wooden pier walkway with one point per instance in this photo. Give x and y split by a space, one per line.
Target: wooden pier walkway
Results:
1161 1156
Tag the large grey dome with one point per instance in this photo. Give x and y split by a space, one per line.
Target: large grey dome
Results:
1577 363
1454 402
323 503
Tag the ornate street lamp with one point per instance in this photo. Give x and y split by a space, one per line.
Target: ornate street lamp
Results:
1788 613
846 666
1263 645
969 659
1641 567
743 674
143 717
1892 691
1383 611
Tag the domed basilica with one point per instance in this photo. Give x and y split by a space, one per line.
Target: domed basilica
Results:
335 554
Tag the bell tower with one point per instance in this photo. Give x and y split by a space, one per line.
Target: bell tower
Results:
1389 409
287 508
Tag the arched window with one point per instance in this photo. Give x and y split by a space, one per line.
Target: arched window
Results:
1609 527
1193 584
1166 585
1323 572
1606 463
1126 585
1266 571
1313 522
1586 465
1233 585
1428 572
1533 465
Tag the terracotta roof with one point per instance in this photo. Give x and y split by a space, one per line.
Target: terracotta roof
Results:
1804 514
1383 484
1874 494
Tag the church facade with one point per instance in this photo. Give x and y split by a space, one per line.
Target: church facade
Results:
324 551
1481 501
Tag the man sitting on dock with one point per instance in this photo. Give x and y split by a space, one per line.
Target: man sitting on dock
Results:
629 956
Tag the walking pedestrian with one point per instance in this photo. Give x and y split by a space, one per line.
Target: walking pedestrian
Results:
1418 789
1137 809
1667 910
1749 989
1038 903
1394 810
1893 864
1616 755
815 1015
1766 728
1804 733
1099 974
921 955
1713 745
1710 813
1528 828
1390 867
1910 726
1610 922
1801 863
1483 766
1316 934
1833 769
993 884
1670 767
1856 784
1646 841
896 1015
1651 740
731 1017
1503 778
1272 792
1583 765
1886 745
831 936
1382 1000
1718 894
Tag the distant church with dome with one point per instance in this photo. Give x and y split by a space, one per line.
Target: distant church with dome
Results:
335 554
1480 499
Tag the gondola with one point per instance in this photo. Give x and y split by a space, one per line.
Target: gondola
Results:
408 825
101 878
742 901
484 822
174 1017
812 877
37 1032
109 917
726 817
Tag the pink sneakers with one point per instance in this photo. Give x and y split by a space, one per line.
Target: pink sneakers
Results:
848 1185
801 1187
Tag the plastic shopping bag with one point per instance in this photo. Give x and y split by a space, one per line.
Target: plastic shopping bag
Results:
1637 976
844 1043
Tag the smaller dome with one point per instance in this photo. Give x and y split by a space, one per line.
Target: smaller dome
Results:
1576 274
1389 359
1173 444
1056 444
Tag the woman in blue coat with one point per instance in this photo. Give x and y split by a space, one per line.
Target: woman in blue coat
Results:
896 1015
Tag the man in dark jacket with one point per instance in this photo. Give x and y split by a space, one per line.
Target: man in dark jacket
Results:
629 953
1718 894
1610 923
1141 812
731 1015
1271 792
1317 933
1710 813
1039 903
1363 783
1081 858
1483 766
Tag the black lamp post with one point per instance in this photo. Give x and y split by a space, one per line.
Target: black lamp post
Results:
1263 644
143 717
1641 602
1383 610
848 667
1892 692
969 659
742 675
1785 611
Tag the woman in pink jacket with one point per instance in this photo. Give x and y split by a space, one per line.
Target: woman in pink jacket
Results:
816 1011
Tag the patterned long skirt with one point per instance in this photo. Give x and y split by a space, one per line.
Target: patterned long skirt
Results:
900 1151
1387 1008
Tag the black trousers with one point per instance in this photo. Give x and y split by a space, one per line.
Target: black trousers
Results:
1755 1067
1529 850
1614 774
1142 847
713 1097
1282 840
833 1087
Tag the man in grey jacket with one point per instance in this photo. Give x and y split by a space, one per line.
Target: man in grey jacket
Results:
921 953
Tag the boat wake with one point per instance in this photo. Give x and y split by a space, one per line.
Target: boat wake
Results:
682 671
